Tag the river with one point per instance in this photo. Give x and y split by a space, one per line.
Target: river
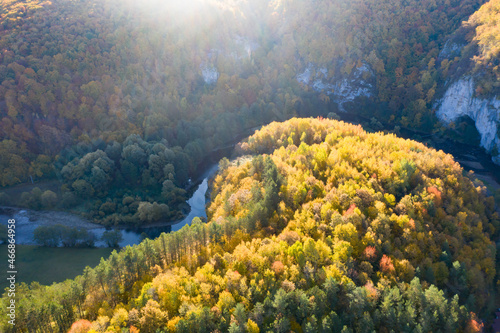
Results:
470 157
28 220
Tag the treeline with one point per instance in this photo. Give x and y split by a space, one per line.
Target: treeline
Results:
324 227
58 234
54 235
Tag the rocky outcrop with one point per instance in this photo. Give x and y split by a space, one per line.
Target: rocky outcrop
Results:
209 73
343 89
241 49
459 100
451 49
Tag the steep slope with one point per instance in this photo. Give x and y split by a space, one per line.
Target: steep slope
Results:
460 100
113 68
473 88
319 226
141 85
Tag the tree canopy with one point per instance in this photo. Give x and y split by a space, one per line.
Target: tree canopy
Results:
317 227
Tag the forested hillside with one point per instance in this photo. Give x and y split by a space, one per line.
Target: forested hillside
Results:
121 100
482 37
318 226
110 107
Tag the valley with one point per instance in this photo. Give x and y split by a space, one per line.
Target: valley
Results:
259 166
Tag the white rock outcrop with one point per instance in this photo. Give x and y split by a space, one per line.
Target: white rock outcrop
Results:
348 89
451 49
459 101
209 73
345 89
242 49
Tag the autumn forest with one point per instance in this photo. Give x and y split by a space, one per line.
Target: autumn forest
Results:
110 110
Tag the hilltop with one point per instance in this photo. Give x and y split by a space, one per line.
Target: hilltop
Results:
317 226
121 101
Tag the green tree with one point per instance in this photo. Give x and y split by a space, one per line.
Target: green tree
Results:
47 235
112 237
48 199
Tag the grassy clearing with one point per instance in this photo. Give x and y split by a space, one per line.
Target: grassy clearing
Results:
48 265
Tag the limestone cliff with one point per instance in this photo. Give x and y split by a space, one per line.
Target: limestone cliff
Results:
459 100
342 89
